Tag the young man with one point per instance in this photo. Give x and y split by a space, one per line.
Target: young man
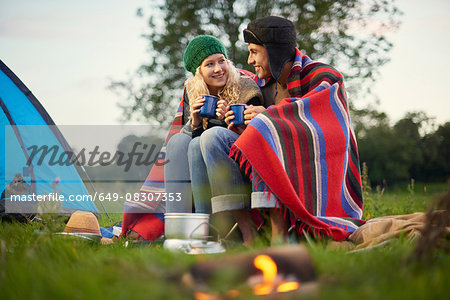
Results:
299 148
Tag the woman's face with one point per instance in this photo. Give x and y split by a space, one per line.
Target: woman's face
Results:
214 70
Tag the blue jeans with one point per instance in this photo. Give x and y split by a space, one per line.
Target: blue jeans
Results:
229 188
176 174
199 178
201 167
185 162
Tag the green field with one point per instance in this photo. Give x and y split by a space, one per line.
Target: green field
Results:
41 265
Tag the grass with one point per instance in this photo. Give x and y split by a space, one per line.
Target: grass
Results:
38 265
397 201
382 273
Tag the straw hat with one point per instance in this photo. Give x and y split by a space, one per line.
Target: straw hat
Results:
83 222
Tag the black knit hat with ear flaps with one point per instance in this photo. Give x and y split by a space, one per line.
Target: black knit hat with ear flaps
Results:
278 37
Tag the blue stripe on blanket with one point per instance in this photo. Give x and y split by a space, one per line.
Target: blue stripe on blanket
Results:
154 183
334 99
322 164
339 222
265 132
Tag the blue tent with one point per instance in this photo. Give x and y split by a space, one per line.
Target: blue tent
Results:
33 150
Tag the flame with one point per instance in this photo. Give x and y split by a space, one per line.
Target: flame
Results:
269 268
211 296
203 296
233 293
287 287
271 282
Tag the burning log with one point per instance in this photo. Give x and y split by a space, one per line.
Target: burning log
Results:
270 272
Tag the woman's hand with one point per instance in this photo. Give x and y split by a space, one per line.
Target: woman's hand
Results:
229 116
221 109
196 119
252 111
249 113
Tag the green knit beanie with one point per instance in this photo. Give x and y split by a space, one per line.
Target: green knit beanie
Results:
200 48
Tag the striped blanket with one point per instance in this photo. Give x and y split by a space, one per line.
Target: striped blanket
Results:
304 150
145 214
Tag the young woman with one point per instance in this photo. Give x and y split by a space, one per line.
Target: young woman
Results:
213 74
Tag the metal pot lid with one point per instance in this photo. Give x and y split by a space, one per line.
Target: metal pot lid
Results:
206 247
193 246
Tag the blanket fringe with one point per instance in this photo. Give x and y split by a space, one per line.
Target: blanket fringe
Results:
244 164
301 226
298 224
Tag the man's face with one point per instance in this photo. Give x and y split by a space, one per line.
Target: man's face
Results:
258 58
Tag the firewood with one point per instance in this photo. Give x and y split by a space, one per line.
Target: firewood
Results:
293 263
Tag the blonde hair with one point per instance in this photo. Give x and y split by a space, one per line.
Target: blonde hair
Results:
196 86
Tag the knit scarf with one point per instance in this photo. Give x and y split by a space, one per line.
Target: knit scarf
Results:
304 150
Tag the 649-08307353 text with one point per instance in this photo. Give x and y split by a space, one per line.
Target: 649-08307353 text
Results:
108 197
139 196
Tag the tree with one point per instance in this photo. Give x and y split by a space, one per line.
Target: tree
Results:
436 154
132 160
443 134
395 154
366 118
348 34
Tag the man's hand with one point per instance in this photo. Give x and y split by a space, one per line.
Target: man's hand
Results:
252 111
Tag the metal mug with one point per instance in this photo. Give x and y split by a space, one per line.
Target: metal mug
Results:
238 112
208 110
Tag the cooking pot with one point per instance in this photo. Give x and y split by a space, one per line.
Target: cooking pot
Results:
186 226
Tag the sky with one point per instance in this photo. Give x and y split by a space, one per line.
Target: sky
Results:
67 52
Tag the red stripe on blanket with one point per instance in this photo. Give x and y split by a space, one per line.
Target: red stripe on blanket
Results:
279 115
323 114
318 72
304 177
293 84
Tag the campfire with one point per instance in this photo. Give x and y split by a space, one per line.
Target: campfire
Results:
271 280
272 273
